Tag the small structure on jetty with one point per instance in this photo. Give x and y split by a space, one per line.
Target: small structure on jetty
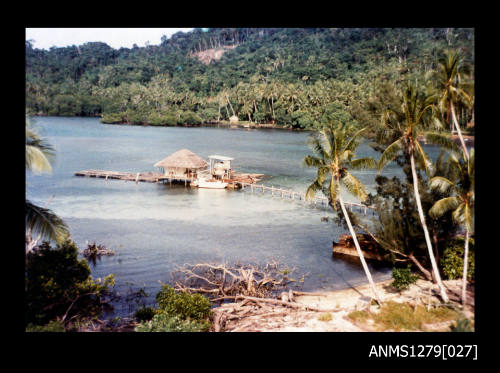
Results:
220 167
182 164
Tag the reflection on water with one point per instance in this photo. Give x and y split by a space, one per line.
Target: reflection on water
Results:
155 227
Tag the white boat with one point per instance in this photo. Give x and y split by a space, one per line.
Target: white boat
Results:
202 182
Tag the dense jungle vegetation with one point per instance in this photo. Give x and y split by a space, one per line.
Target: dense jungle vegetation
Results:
289 77
400 85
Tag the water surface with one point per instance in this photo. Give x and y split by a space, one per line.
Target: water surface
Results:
155 227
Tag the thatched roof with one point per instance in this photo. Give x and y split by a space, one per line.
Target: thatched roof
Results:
183 159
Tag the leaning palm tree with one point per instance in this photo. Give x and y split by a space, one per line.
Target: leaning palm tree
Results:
451 89
406 124
460 185
40 219
334 151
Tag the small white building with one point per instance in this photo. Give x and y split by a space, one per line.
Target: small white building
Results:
220 166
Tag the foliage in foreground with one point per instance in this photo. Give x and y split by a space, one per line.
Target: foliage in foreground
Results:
144 314
177 312
403 278
452 262
162 322
462 325
404 316
59 286
52 326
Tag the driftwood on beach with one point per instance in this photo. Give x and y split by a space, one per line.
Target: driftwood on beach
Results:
244 292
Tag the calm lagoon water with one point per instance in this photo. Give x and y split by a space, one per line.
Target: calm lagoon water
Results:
155 227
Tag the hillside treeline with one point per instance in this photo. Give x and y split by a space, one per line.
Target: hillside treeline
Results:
291 77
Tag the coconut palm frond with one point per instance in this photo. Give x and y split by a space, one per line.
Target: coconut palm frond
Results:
333 190
470 165
39 153
322 174
437 123
441 140
353 141
469 217
458 214
36 160
44 222
363 163
312 189
317 147
444 205
390 153
311 161
441 184
354 186
423 158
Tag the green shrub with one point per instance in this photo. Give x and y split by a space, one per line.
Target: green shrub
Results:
144 314
462 325
452 261
165 323
182 304
53 326
112 118
403 278
189 117
55 278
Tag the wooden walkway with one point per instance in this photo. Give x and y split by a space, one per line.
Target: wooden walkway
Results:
154 177
149 177
318 202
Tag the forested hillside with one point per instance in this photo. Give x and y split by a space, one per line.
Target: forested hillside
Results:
289 77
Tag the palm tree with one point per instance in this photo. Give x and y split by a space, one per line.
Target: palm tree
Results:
405 124
460 185
334 152
40 219
451 89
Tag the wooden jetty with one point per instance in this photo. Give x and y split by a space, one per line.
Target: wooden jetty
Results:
156 177
321 202
244 181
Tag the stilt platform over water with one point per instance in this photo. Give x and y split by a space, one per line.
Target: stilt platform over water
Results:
247 182
155 177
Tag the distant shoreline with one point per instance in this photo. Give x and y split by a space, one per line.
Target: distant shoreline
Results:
221 125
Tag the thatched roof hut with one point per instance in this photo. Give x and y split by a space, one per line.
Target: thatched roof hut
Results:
183 159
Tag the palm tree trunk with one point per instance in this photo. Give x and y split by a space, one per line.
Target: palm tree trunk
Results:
466 259
354 238
426 232
459 132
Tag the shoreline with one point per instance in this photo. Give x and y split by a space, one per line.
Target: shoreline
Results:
338 304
